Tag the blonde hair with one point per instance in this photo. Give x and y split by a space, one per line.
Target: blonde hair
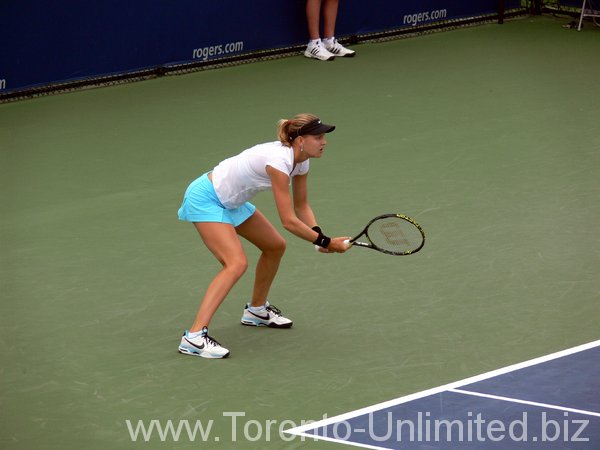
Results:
287 127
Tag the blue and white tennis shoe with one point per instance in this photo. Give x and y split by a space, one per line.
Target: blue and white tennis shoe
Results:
265 316
201 344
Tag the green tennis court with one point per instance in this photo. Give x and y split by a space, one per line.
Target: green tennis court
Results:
488 136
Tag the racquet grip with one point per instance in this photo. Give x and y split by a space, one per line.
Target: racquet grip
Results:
347 242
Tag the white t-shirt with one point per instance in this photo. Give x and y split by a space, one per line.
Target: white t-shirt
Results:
239 178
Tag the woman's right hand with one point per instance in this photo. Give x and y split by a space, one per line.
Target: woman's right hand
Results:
337 245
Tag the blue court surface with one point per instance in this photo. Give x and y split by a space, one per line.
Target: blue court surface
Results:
551 402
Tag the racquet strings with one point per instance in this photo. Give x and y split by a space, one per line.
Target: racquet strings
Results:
395 234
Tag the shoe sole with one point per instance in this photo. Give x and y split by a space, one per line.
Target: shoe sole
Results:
250 323
349 55
185 351
319 59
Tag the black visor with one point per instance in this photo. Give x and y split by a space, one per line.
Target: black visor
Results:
314 128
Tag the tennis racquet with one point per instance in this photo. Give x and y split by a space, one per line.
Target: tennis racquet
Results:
392 234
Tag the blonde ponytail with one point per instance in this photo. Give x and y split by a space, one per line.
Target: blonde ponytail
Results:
286 128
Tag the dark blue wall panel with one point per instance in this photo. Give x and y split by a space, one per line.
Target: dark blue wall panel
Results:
44 42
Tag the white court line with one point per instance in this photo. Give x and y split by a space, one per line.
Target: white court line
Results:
525 402
302 430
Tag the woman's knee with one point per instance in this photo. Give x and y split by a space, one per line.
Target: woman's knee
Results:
236 267
276 247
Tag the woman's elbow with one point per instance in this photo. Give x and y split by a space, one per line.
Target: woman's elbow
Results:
289 224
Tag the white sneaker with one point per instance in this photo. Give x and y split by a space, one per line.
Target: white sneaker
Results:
202 345
337 49
270 316
318 51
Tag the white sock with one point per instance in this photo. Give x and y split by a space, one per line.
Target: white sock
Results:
314 42
195 334
258 308
329 41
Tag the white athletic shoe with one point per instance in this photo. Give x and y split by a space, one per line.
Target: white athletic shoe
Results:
202 345
318 51
270 316
337 49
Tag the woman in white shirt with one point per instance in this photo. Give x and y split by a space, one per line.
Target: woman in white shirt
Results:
218 205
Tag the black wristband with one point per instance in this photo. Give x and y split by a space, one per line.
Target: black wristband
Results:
317 228
322 240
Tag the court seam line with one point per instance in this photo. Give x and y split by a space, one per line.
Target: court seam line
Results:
301 430
524 402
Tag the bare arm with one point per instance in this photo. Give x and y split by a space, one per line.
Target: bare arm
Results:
285 207
301 205
288 214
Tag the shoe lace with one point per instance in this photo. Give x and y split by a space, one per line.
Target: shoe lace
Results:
274 310
210 341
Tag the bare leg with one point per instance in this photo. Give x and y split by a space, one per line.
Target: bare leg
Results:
260 232
221 239
330 10
313 15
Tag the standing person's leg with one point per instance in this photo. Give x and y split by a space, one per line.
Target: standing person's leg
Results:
313 17
260 232
330 11
315 48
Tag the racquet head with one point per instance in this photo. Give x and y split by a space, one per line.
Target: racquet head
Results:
395 234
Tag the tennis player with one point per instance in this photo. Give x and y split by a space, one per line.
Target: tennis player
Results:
218 205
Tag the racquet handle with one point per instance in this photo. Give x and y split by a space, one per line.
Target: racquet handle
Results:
347 242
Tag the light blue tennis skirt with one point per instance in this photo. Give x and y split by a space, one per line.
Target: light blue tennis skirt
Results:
201 204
